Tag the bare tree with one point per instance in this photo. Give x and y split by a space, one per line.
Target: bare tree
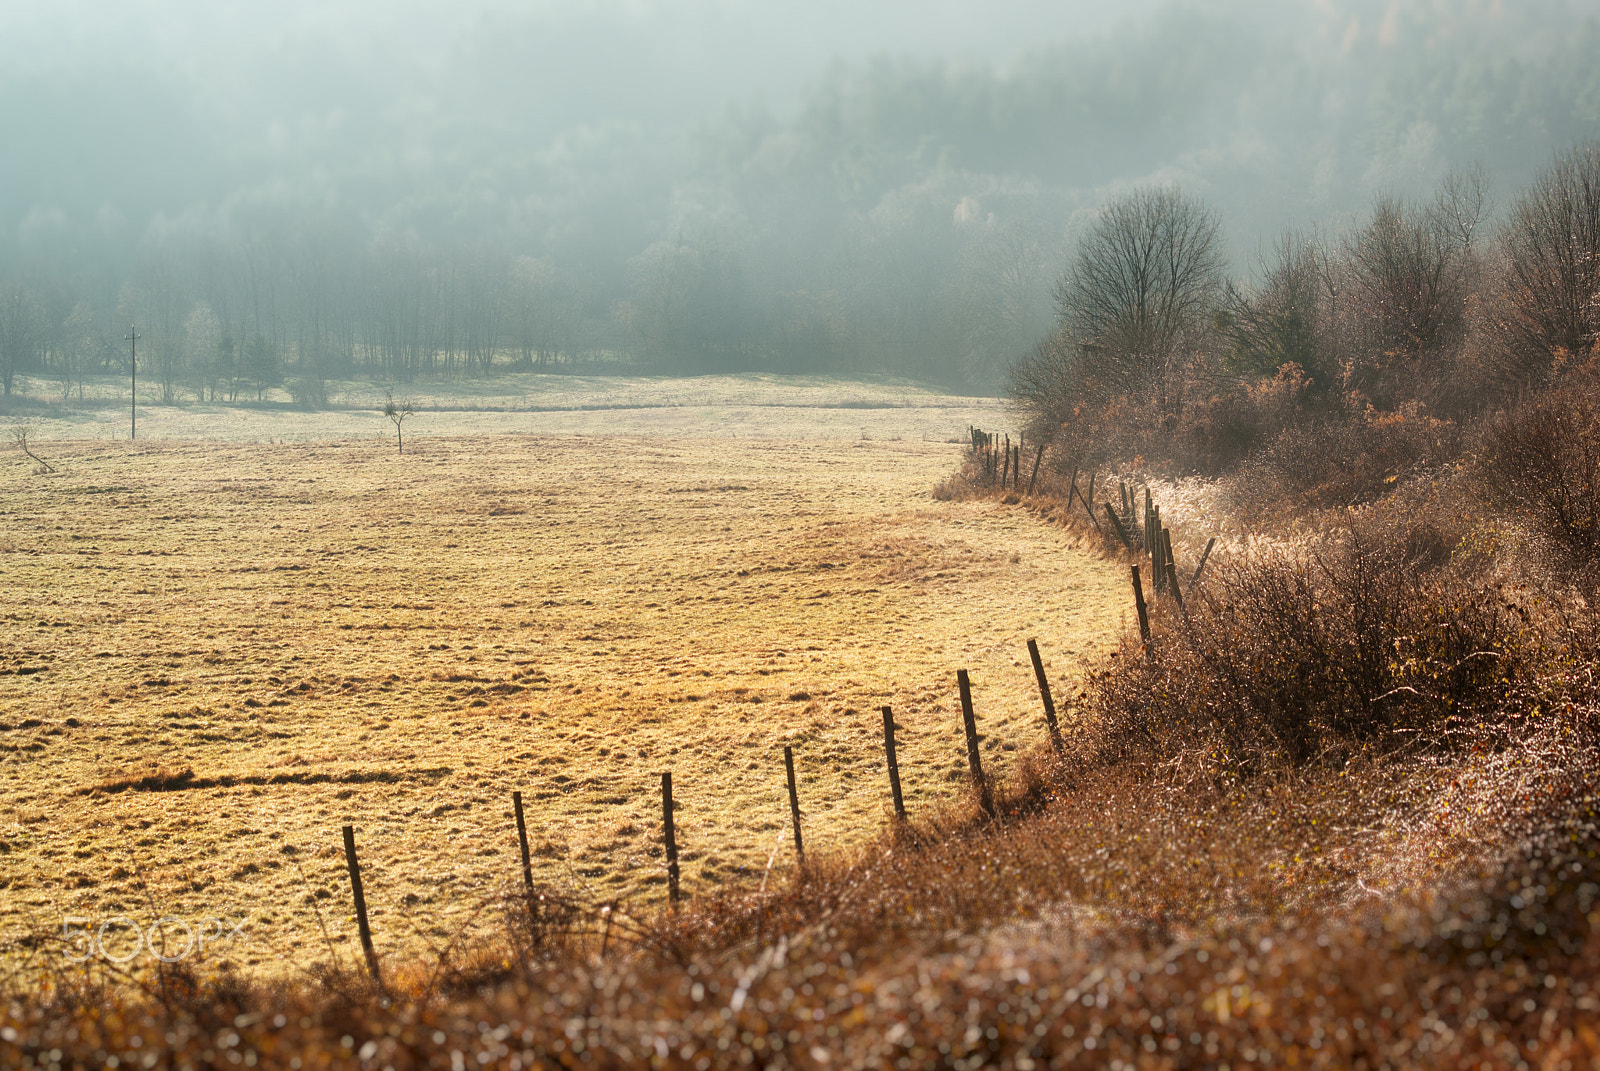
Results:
1462 204
202 335
1047 385
397 413
22 330
1412 274
1141 291
19 435
1548 311
82 342
1285 320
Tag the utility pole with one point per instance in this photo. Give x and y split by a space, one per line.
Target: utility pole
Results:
132 339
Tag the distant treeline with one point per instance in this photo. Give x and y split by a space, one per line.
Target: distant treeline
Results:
231 319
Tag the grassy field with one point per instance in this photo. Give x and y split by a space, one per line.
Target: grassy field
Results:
214 654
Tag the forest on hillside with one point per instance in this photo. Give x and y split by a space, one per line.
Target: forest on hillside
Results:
311 210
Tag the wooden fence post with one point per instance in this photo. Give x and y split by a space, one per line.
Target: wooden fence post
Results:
1209 544
1044 693
794 804
1116 525
1171 570
1035 475
671 837
894 765
1158 557
1088 506
522 839
974 760
361 905
1144 614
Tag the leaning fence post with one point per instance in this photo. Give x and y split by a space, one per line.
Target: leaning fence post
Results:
894 765
1209 544
671 837
361 904
794 804
1088 506
1044 693
1171 570
522 839
1035 475
1122 533
1144 614
974 761
1157 556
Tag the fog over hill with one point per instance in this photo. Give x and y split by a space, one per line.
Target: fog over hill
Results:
411 188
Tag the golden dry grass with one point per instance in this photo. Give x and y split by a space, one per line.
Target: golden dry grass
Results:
213 655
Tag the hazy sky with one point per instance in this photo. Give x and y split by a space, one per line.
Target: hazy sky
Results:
756 45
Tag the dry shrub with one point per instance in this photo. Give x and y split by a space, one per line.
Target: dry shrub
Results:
1366 640
1217 428
1543 462
1328 462
1214 432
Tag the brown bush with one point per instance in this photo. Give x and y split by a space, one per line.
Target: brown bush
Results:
1331 461
1365 641
1215 432
1543 461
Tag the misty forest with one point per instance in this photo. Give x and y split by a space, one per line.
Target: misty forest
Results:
289 207
702 533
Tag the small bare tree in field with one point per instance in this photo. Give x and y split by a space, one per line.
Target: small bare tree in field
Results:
19 435
397 413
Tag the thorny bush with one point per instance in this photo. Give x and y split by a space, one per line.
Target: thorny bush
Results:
1373 639
1543 461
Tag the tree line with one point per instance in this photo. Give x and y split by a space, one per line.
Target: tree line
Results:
1369 350
226 320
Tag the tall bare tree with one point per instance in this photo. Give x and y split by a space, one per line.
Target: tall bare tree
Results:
1287 319
1141 291
22 330
1549 310
82 343
1412 273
